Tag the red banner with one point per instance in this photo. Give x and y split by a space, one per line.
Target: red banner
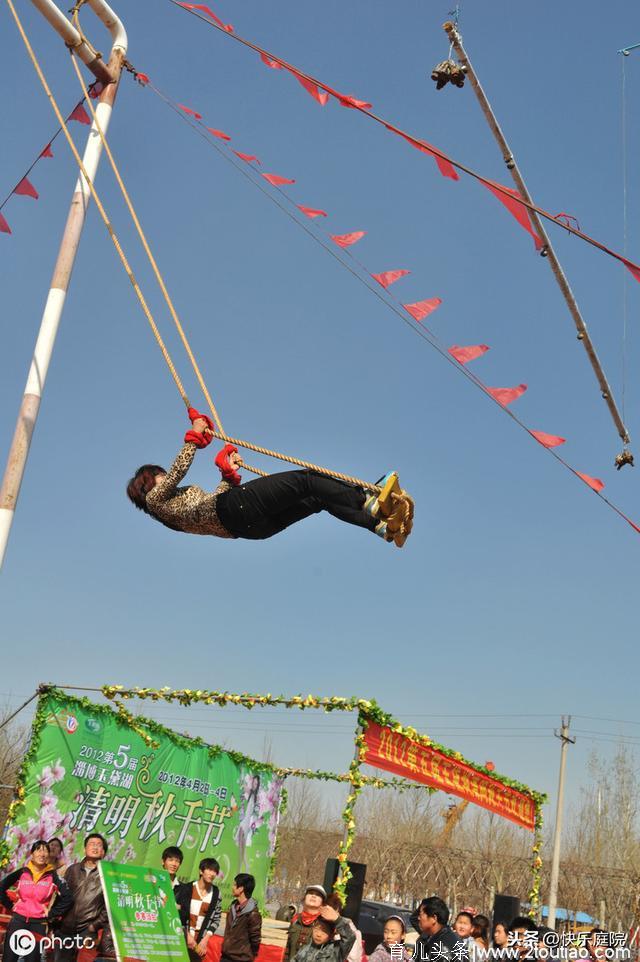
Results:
397 753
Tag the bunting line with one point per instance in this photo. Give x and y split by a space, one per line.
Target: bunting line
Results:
447 165
502 397
24 187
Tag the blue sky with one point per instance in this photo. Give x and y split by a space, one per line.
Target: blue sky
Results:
514 596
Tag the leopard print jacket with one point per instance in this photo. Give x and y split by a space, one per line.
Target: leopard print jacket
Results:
188 508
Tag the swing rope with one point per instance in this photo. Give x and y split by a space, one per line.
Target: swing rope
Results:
220 434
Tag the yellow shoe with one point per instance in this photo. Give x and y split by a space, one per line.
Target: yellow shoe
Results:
389 486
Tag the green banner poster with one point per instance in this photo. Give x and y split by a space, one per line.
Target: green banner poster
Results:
88 770
142 913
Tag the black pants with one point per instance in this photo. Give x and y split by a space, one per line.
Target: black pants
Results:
262 508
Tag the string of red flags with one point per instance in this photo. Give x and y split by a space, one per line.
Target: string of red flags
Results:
340 247
25 187
450 168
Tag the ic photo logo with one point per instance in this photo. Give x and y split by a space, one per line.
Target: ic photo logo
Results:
22 942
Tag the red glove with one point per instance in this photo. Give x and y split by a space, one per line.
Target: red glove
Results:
193 414
198 438
222 461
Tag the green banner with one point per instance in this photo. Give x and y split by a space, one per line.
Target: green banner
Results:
87 770
143 914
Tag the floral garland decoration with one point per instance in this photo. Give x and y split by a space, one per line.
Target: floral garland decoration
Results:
536 866
348 817
368 709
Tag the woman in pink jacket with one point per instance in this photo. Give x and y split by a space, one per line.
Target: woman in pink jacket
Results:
35 895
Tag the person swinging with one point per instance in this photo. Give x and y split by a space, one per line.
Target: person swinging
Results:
264 507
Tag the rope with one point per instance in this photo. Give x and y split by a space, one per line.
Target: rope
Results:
142 236
98 202
220 434
125 263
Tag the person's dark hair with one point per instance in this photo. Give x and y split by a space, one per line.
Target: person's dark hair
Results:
56 839
140 485
335 902
105 844
39 843
435 906
209 863
328 926
246 882
396 918
173 852
523 922
480 929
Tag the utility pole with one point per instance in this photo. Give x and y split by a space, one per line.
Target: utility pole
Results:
109 75
547 250
563 735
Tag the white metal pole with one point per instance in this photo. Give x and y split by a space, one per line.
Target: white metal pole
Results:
54 305
563 735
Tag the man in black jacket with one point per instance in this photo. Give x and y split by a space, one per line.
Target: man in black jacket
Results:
437 942
200 908
88 917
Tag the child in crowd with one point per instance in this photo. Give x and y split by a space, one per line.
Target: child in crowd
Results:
323 945
393 935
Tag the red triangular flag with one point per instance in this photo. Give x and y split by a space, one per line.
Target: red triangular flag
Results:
320 95
4 227
312 211
465 354
209 12
47 152
96 89
445 166
632 268
505 395
192 113
513 202
248 158
594 483
80 114
386 278
276 180
420 309
26 189
270 63
547 440
346 240
347 101
218 133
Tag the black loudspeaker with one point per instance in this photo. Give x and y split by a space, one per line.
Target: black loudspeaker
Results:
505 908
355 885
